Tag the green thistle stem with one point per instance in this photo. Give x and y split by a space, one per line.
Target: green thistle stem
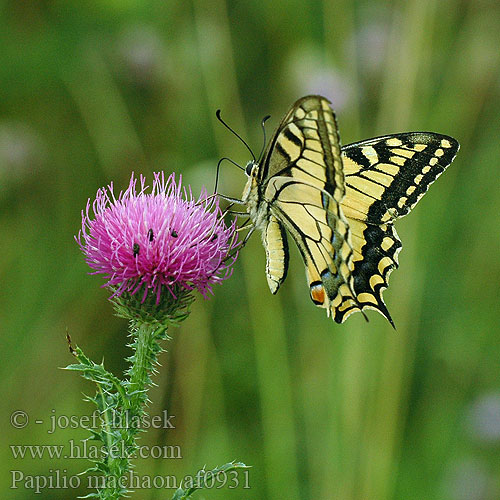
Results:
121 403
115 467
146 348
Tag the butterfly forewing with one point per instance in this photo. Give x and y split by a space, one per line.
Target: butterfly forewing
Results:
306 146
386 176
303 185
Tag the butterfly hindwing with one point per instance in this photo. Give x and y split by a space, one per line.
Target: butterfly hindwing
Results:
375 255
385 178
321 237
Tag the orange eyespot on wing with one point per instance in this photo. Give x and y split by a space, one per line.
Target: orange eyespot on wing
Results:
317 291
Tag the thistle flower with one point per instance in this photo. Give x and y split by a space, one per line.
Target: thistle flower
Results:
154 247
156 242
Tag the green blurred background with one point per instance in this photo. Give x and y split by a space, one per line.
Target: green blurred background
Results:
93 90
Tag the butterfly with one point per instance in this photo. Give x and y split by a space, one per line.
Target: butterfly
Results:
338 204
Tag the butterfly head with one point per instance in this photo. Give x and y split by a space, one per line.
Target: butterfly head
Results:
252 168
251 196
251 191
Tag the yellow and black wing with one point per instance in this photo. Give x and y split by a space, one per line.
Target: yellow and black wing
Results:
384 178
301 180
339 205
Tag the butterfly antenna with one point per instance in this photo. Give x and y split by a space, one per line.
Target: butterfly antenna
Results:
218 167
263 125
217 113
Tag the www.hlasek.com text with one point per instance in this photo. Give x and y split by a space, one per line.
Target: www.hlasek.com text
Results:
86 449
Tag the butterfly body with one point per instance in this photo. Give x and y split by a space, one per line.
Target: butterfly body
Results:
255 202
338 204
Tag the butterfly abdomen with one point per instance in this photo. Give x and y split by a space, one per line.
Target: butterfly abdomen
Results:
276 245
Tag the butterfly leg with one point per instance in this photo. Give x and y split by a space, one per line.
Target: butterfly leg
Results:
247 236
238 214
227 211
226 198
241 245
242 227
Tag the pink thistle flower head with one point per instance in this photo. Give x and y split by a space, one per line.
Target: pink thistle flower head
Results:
158 241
